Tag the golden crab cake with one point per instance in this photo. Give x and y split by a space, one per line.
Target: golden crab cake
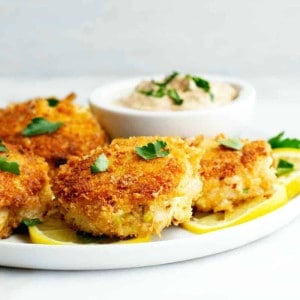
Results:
133 196
60 128
25 191
232 176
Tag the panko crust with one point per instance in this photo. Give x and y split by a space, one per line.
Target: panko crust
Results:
134 197
79 134
233 176
23 196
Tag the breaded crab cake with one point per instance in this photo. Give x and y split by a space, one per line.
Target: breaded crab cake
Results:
232 176
25 191
133 196
74 130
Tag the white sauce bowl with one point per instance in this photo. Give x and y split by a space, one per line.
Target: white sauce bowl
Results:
120 121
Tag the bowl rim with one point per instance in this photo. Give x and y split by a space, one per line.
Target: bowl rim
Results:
246 94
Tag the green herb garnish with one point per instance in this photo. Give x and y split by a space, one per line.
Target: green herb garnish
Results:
279 142
167 80
31 222
100 164
2 147
155 93
52 102
40 126
203 84
153 150
284 167
9 166
175 97
232 143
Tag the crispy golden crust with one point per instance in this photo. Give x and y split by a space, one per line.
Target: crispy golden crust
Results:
79 134
134 197
27 195
230 176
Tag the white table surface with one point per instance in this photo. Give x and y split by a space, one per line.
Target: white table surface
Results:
266 269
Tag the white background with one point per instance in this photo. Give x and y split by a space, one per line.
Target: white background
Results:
133 37
257 40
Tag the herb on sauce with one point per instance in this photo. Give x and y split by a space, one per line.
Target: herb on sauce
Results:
11 167
155 93
284 167
175 97
100 164
153 150
279 142
40 126
232 143
52 102
167 80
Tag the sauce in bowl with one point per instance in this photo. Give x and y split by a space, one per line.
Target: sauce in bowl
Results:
177 92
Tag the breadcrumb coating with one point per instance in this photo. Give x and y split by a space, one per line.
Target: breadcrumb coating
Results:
232 176
134 196
79 134
24 196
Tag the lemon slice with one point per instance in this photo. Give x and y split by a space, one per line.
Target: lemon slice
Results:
55 232
291 155
243 213
292 179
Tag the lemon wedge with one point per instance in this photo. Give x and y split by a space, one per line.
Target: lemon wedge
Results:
243 213
292 179
287 188
291 155
54 231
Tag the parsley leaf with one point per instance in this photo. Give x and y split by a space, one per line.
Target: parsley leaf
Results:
154 93
100 164
40 126
11 167
2 147
167 80
52 102
232 143
175 97
203 84
284 167
153 150
279 142
31 222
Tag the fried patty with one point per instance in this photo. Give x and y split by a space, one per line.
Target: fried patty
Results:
134 196
24 196
232 176
79 133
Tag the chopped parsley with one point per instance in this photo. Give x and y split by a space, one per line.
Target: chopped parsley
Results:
9 166
41 126
284 167
167 80
175 97
172 93
232 143
155 93
153 150
52 102
2 147
202 84
279 142
31 222
100 164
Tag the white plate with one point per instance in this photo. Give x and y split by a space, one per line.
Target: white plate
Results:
175 245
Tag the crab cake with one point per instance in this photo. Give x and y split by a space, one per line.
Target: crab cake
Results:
232 176
133 196
25 191
52 129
